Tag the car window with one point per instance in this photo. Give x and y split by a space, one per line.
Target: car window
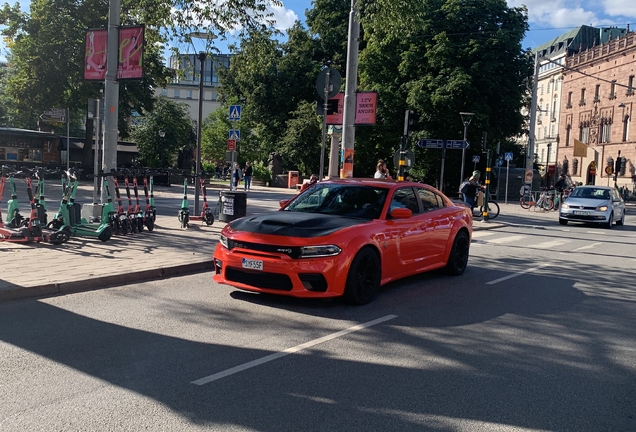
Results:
429 199
342 200
591 192
404 198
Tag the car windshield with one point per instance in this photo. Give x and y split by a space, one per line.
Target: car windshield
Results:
342 200
593 193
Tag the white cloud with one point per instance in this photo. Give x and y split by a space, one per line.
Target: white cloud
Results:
620 8
285 18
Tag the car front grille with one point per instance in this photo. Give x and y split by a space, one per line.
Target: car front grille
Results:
292 252
259 279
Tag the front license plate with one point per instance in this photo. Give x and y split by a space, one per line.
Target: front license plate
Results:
252 264
581 213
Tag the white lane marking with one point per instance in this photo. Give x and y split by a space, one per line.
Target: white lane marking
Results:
549 244
480 234
508 239
514 275
288 351
590 246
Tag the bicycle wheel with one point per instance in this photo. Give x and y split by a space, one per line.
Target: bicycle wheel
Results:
525 202
493 210
547 204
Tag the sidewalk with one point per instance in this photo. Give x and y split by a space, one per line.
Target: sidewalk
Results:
85 264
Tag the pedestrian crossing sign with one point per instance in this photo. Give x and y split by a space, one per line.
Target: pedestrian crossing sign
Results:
235 135
235 112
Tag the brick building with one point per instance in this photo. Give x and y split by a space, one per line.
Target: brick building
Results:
596 109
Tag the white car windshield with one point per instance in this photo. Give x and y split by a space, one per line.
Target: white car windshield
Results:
342 200
592 193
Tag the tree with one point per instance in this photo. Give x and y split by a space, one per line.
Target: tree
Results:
173 119
446 56
301 144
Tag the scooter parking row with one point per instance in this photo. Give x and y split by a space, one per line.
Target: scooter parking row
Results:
207 215
68 221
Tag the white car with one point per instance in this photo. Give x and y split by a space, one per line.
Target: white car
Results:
593 204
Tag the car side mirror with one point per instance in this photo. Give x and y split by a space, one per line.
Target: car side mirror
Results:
283 203
401 213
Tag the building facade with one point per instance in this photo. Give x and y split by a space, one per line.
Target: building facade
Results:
597 104
185 88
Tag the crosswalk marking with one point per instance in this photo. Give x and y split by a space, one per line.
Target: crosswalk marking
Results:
590 246
509 239
550 244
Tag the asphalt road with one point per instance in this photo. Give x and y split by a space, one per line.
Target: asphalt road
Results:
538 334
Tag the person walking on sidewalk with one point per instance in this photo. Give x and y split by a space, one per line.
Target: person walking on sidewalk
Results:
237 174
471 189
247 176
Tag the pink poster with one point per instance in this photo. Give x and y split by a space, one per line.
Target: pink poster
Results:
131 44
366 103
95 55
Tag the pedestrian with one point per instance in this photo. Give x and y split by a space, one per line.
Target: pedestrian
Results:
236 176
381 171
247 176
312 181
471 189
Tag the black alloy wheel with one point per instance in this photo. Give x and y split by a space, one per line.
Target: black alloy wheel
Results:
458 257
363 280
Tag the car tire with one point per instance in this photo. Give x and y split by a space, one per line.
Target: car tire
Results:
363 280
563 221
610 221
621 222
458 257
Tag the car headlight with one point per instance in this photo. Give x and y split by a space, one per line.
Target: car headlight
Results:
224 241
564 205
602 208
319 251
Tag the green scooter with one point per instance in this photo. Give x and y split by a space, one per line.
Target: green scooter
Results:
70 214
14 218
184 212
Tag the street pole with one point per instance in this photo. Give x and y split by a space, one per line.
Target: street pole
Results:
325 108
349 114
68 139
533 117
466 119
201 58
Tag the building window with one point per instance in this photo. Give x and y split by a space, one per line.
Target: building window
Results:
553 130
585 131
554 110
549 85
541 88
213 95
626 128
556 84
630 86
188 94
582 101
569 104
567 135
613 90
177 93
164 92
605 132
597 93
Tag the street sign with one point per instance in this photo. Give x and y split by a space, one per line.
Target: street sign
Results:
54 115
476 159
231 145
431 143
335 81
508 156
235 135
457 144
235 113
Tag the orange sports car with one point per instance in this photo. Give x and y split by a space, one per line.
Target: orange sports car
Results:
345 238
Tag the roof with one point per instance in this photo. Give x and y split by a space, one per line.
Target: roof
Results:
26 133
583 37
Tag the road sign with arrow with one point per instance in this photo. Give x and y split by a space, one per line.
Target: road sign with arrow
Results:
54 115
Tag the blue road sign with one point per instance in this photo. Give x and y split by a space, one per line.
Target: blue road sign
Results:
431 143
235 112
476 159
508 156
235 134
457 144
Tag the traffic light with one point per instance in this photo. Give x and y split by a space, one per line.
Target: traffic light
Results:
623 165
411 122
484 142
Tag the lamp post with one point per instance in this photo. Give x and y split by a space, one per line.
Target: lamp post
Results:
201 57
162 134
466 118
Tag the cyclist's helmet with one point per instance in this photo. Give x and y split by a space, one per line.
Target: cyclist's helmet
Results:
476 174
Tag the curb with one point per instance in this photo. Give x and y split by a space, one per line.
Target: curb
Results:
92 284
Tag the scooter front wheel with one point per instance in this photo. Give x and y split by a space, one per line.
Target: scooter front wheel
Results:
209 218
150 224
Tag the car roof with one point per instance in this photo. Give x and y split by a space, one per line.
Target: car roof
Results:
595 187
363 181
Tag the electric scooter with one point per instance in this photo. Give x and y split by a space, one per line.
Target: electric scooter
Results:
150 214
184 212
206 212
130 214
139 214
123 223
14 218
19 235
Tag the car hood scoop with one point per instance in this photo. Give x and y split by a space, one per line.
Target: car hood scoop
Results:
294 224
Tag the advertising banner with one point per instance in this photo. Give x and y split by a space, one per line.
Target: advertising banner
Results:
366 103
95 55
131 47
580 149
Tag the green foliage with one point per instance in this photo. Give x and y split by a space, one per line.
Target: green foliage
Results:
163 152
301 143
261 172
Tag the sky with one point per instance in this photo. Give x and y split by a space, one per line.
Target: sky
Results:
548 18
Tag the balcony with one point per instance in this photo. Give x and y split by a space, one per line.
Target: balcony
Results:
568 105
582 102
612 96
598 99
629 92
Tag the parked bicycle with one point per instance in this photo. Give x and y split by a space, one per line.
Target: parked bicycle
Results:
543 202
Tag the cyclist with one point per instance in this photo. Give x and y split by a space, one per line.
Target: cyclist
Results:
471 189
